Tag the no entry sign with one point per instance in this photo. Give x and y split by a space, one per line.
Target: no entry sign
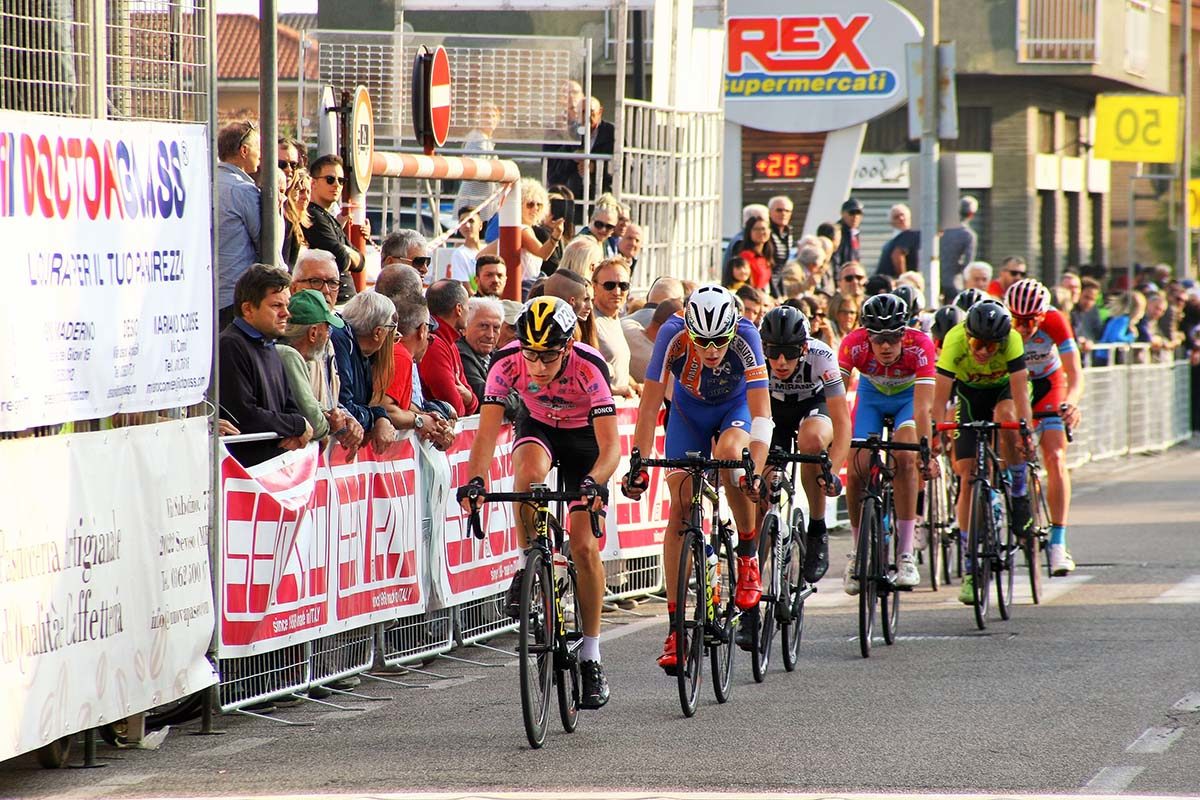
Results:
431 97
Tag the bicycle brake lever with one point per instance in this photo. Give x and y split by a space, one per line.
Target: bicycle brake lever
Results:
594 516
474 525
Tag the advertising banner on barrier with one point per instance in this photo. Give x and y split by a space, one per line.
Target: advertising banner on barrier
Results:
105 592
312 545
108 234
470 568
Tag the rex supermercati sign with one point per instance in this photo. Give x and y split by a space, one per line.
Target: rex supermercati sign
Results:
815 66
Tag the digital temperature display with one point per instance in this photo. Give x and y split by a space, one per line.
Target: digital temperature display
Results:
782 166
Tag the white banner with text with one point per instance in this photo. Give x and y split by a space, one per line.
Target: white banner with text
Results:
105 590
110 304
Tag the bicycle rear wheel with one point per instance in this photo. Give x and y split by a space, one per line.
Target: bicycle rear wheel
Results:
721 648
979 540
1004 566
763 621
535 647
935 499
566 679
888 550
1031 544
690 617
790 607
867 587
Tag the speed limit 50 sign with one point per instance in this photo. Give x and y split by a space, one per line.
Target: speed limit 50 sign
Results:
1133 127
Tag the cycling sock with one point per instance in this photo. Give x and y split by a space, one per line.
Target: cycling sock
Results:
816 527
1016 473
853 538
746 545
671 614
1058 535
591 649
906 529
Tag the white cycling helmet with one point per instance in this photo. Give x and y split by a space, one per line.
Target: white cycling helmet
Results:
712 312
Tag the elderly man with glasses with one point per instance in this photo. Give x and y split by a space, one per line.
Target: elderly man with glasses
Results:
327 232
408 247
852 281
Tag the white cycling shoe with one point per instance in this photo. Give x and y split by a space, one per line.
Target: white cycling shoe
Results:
849 582
907 575
1061 562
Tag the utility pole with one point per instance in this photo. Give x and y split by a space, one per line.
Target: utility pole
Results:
929 147
268 126
1183 241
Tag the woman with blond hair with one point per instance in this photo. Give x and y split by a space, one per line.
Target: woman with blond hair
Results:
295 216
535 204
582 256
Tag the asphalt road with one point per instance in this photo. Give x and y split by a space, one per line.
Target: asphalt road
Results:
1095 691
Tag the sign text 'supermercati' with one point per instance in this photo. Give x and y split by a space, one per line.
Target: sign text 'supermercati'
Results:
109 303
815 66
106 605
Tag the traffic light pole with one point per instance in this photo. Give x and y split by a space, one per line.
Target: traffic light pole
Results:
929 152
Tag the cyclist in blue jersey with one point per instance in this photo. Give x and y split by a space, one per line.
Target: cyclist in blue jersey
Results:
712 357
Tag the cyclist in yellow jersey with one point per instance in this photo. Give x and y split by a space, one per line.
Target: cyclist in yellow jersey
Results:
983 363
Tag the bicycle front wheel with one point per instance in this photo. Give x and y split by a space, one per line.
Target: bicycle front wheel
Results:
935 499
535 647
888 552
979 540
721 648
791 580
868 589
1004 567
567 658
763 621
1032 544
691 612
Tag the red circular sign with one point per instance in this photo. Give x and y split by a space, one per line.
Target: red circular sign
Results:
439 95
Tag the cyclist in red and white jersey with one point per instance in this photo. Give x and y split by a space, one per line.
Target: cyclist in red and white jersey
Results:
1056 374
567 415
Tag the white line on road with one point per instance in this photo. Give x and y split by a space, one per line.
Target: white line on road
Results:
1052 588
1112 780
1186 591
1155 740
1190 702
674 795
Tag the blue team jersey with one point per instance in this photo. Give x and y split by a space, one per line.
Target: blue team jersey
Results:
676 355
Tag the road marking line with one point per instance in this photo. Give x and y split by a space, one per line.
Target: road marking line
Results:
1155 740
1190 702
1186 591
1052 588
233 748
1112 779
662 795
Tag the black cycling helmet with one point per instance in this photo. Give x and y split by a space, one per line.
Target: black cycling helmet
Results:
884 313
945 319
784 325
968 297
911 297
545 323
989 321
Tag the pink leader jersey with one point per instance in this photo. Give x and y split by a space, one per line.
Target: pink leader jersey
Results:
578 394
915 365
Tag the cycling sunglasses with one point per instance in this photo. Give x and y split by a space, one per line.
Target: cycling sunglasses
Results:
712 342
608 286
544 356
982 344
789 351
1025 322
886 338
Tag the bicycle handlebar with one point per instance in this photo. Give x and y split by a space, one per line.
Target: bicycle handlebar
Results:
780 457
983 424
693 461
533 495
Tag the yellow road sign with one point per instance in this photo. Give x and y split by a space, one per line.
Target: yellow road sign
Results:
1194 203
1137 128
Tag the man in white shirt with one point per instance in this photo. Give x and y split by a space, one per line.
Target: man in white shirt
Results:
462 260
611 284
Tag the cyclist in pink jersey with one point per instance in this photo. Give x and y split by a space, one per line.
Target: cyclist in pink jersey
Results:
567 416
896 364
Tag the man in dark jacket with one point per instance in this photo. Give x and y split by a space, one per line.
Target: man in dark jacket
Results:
327 233
850 247
254 393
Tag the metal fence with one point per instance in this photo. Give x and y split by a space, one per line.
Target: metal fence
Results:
671 179
1058 31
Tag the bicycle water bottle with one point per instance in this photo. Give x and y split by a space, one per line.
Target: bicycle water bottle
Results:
710 571
560 569
997 511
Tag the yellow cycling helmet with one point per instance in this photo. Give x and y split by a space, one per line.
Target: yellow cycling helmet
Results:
545 323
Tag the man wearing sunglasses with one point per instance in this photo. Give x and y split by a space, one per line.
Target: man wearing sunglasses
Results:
327 233
1012 270
983 363
896 364
610 282
808 404
568 417
1056 374
713 359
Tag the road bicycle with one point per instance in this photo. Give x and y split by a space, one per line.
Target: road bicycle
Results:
878 545
550 632
941 547
706 617
781 553
991 542
1038 542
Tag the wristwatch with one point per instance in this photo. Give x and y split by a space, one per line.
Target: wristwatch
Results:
418 422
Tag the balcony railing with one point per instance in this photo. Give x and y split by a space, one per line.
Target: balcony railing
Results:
1058 31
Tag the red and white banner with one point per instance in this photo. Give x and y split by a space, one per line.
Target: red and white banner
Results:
312 545
106 604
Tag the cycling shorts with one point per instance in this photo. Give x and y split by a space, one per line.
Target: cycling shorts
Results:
975 404
1049 393
693 425
873 405
574 449
788 417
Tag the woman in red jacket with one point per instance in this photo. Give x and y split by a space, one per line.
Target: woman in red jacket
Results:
759 253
